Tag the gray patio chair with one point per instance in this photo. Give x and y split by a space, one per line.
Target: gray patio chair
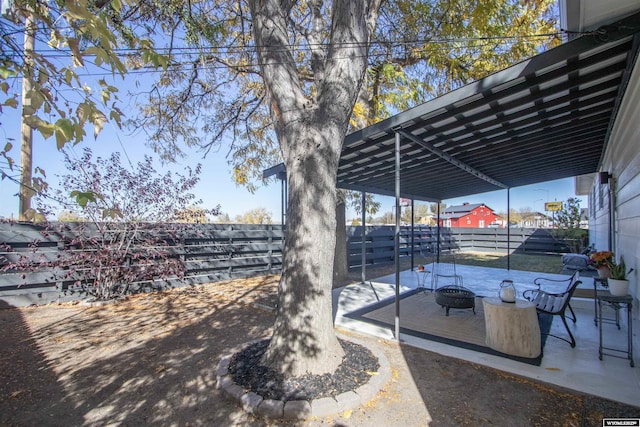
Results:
445 271
555 303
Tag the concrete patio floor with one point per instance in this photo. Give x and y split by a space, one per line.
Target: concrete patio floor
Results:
574 368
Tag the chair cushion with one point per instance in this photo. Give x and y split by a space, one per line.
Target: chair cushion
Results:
575 261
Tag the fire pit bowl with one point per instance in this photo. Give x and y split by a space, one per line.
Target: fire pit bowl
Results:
455 297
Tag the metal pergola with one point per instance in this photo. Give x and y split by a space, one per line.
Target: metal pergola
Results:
546 118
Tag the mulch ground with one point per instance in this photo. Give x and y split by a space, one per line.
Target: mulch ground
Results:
151 360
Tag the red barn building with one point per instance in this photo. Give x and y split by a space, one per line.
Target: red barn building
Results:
476 215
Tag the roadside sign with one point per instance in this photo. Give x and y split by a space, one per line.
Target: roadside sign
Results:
553 206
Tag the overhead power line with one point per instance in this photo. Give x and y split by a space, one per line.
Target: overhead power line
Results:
238 48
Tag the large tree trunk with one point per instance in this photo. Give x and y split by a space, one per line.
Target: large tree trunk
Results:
304 339
310 126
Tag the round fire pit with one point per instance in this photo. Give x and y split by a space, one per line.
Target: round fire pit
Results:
455 297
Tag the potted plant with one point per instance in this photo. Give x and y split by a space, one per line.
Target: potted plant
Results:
601 260
618 283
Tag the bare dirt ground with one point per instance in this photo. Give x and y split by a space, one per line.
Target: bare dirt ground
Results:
151 360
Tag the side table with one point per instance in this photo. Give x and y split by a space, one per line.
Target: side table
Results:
616 302
512 328
600 287
421 276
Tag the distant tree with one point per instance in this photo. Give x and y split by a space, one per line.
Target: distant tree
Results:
69 216
422 213
420 210
515 218
354 200
568 225
255 216
223 218
433 208
527 215
386 218
192 214
406 213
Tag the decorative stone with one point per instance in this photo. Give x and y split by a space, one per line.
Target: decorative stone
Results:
251 401
301 409
348 400
324 406
270 408
296 410
223 381
223 366
232 389
366 392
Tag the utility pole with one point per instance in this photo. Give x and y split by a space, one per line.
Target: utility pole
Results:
26 140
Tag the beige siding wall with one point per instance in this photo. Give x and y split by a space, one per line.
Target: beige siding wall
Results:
622 161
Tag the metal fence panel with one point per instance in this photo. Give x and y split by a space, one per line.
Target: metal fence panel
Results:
213 252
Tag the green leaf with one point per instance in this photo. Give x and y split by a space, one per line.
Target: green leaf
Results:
68 76
5 72
116 117
80 133
112 213
45 128
43 76
74 46
98 123
36 99
77 12
83 197
83 112
64 132
116 5
11 102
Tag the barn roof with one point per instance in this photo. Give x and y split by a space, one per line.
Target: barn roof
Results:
467 207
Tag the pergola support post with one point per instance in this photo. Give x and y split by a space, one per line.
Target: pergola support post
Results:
363 243
508 229
397 236
413 239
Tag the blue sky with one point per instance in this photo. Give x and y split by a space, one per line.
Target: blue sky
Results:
215 187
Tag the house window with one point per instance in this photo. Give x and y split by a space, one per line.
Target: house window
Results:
600 196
